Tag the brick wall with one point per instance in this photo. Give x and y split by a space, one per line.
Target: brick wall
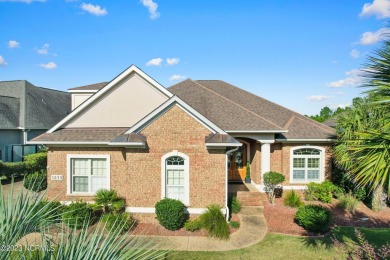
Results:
136 173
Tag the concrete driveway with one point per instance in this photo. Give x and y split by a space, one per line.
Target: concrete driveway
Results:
17 187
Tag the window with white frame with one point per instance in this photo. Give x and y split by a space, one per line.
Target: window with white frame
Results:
307 165
175 178
87 175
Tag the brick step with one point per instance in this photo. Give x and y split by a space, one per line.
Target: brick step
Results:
250 198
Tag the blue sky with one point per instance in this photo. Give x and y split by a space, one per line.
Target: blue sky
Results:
303 55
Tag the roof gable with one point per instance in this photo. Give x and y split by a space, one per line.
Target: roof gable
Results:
120 103
174 101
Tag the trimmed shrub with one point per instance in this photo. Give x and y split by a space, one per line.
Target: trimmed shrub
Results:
271 181
293 199
235 224
193 225
348 202
78 214
236 205
321 191
53 209
32 163
12 169
313 218
170 213
120 223
36 162
36 181
108 201
214 222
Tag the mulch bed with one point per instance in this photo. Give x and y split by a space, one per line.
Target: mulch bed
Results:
280 218
150 229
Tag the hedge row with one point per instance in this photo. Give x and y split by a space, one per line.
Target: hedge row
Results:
32 163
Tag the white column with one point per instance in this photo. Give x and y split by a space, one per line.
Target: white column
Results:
265 157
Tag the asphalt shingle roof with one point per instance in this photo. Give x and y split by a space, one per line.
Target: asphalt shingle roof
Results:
232 108
39 108
229 107
82 135
96 86
9 112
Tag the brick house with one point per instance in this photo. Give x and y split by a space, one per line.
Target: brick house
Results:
186 142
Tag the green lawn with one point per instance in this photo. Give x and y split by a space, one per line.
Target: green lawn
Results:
275 246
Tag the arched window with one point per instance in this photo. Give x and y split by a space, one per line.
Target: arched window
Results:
307 164
175 176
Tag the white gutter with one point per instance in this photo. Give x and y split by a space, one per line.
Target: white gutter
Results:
222 144
256 131
226 182
83 91
305 140
134 144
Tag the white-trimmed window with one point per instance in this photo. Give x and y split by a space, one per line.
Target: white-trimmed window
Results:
88 173
175 176
307 164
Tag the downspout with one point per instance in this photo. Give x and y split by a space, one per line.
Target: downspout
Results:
226 182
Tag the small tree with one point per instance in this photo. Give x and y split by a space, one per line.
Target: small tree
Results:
271 181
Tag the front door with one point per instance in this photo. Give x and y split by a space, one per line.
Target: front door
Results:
237 164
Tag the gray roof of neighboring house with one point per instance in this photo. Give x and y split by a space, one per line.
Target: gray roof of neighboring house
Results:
96 86
39 108
331 122
9 112
232 108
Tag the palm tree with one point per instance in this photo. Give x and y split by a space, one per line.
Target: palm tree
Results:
377 73
108 200
363 131
22 213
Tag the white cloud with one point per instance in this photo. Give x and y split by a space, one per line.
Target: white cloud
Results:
335 106
23 1
154 62
2 61
355 54
176 77
172 61
379 8
318 98
369 38
49 66
353 79
94 9
152 8
13 44
44 50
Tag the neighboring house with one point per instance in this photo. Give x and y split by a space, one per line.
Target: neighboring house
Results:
186 142
27 111
331 122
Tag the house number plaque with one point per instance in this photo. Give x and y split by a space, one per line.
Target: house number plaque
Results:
56 177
